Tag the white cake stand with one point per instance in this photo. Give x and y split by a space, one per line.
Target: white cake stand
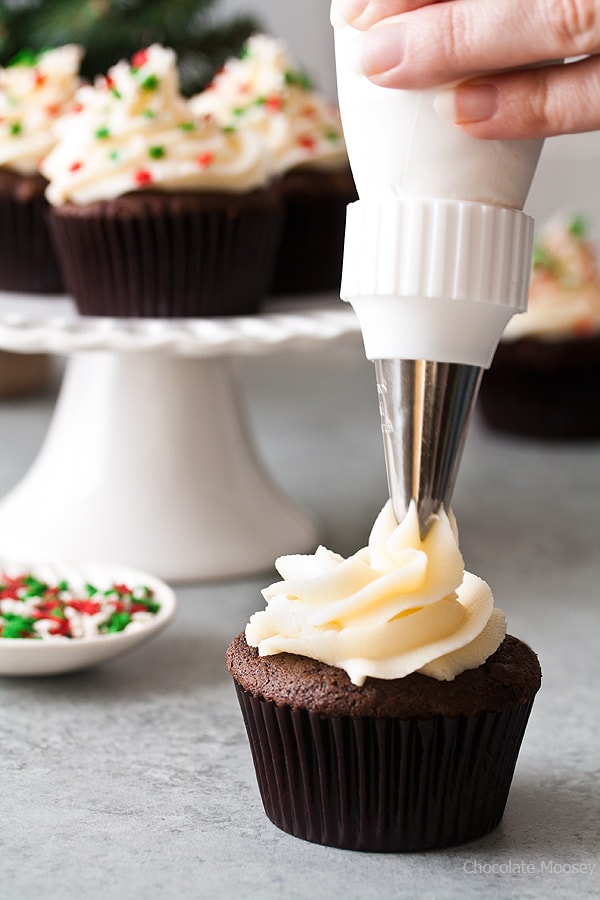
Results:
148 460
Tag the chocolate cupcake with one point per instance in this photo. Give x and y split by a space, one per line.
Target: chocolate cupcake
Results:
35 89
398 727
544 381
155 212
263 91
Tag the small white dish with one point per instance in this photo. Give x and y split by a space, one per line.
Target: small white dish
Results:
26 656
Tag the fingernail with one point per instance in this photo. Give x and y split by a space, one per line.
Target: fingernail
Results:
344 12
382 49
467 103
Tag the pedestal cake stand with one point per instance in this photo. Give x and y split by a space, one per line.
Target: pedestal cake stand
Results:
148 460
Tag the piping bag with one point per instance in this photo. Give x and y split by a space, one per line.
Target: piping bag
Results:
437 259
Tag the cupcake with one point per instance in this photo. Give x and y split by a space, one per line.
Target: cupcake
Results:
544 381
262 91
384 703
154 211
35 89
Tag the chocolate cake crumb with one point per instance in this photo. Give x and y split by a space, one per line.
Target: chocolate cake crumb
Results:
509 677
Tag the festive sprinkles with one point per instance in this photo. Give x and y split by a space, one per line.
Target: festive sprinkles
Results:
31 608
263 92
35 89
135 130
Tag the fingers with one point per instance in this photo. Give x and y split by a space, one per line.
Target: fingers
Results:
439 43
484 45
364 14
531 103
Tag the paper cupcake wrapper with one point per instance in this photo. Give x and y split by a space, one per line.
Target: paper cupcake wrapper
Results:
311 250
28 262
213 262
556 394
383 785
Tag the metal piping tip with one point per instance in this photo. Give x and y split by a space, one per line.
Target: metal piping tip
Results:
425 411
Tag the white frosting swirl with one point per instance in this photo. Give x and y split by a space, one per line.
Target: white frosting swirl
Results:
564 292
398 606
263 92
34 91
133 130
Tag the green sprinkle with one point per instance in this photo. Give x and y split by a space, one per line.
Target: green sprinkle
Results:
578 226
91 589
156 152
542 259
332 136
298 79
188 126
149 114
35 588
150 83
117 622
238 111
114 155
16 626
15 129
117 94
229 129
102 133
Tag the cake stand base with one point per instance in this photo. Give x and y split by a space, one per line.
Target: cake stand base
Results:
148 462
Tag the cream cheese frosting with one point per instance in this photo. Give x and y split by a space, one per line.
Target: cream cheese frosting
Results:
564 291
35 90
400 605
132 129
263 91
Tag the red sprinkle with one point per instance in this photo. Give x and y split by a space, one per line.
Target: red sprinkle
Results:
138 59
75 166
307 142
88 607
274 104
205 159
143 176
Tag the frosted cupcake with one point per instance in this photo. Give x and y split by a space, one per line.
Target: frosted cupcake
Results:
35 90
545 378
264 92
156 212
384 703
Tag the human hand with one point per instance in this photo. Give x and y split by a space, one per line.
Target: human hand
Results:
493 53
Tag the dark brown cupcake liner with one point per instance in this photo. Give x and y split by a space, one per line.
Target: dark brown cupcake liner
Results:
28 263
310 254
169 260
383 784
544 390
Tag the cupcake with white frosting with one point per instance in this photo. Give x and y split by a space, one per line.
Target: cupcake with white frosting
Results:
544 380
264 92
384 703
156 211
35 90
